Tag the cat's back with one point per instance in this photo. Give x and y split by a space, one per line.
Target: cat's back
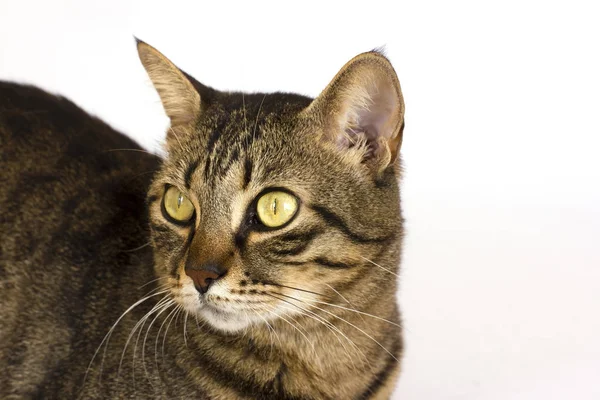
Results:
62 167
72 206
35 122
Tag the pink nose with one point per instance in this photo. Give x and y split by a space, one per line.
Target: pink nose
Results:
204 276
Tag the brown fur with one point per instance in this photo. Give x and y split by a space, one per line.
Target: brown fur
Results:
305 311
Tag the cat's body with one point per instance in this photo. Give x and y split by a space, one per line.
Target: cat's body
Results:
72 214
78 250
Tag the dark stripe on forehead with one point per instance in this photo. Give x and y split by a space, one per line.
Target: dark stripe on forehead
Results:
246 139
219 141
189 172
254 132
234 157
214 136
207 168
226 163
334 220
212 140
247 172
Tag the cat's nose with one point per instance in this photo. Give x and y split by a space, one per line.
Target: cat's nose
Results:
204 276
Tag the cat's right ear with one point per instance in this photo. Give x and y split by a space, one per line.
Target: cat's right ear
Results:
179 97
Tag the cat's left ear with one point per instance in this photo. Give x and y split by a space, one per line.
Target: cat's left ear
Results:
179 97
363 108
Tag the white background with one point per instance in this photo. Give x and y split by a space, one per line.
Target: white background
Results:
500 284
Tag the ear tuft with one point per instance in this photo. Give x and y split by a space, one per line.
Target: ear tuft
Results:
179 98
363 108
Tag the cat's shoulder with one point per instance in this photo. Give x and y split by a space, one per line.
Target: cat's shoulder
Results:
33 120
20 96
27 110
23 105
46 140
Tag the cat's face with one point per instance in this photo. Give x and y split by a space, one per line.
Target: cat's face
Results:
268 205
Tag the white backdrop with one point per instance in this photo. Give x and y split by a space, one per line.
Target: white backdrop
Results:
500 285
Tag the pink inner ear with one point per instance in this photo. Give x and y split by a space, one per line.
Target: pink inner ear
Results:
371 118
375 120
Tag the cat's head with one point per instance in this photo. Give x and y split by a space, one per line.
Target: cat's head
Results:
269 204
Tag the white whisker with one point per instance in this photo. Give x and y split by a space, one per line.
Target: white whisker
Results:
330 326
358 312
137 339
153 280
334 330
385 269
352 309
349 323
271 330
185 328
257 116
158 335
138 248
164 308
109 333
244 109
176 137
312 345
177 310
139 324
345 299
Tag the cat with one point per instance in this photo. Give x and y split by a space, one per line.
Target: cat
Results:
258 259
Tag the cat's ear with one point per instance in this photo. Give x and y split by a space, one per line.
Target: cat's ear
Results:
179 97
362 109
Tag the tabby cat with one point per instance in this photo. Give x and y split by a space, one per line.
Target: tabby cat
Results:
257 260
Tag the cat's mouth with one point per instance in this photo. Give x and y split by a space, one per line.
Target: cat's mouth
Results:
221 307
231 319
232 305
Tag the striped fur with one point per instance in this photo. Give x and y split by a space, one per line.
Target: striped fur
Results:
307 311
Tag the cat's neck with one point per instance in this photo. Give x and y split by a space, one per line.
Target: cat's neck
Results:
328 341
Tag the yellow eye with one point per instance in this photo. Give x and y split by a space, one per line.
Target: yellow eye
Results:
177 205
276 208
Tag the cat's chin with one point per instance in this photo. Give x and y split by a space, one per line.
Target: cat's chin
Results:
230 322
